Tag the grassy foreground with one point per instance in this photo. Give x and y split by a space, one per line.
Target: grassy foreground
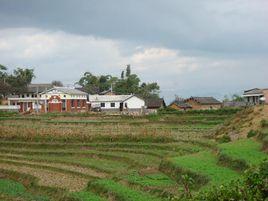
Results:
85 157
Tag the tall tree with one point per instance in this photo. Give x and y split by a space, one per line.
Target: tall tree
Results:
123 75
129 84
15 82
128 71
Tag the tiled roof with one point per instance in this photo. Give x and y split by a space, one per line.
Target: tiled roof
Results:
70 91
205 100
253 91
108 98
155 103
181 104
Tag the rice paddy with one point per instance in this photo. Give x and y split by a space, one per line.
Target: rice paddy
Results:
98 157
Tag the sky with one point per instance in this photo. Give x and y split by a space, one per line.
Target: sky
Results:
189 47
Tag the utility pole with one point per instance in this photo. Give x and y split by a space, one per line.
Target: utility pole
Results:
45 101
37 101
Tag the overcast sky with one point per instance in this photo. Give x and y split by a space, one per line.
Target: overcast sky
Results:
190 47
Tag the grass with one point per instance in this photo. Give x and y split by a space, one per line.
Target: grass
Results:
15 189
85 196
205 163
64 151
147 180
248 150
120 192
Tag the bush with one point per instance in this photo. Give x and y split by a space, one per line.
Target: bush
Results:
235 164
253 186
264 123
224 139
252 133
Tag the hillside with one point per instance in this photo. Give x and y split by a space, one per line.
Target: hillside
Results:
99 157
243 122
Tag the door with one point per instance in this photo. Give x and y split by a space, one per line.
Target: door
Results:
121 106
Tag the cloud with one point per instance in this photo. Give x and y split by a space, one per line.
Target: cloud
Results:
223 26
57 55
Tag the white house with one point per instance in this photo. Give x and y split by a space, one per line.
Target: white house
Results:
117 102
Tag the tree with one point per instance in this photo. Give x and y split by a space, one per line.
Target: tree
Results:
4 86
96 84
236 97
127 84
16 82
149 90
57 83
128 71
123 75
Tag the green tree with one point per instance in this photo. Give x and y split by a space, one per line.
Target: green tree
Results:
20 79
149 90
236 97
129 84
128 71
123 75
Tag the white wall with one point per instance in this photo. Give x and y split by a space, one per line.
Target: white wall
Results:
134 103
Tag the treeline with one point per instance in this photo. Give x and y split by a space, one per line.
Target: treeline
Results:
15 82
127 83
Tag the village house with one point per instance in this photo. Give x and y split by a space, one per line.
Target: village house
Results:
117 103
27 100
203 103
256 96
180 104
54 99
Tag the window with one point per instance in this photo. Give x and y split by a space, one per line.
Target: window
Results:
22 96
125 105
112 104
78 103
102 104
28 95
72 103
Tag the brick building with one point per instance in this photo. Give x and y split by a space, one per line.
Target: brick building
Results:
54 99
203 103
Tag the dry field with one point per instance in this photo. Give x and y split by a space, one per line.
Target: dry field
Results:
97 157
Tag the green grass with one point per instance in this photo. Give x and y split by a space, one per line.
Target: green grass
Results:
17 190
154 179
86 196
120 192
248 150
205 163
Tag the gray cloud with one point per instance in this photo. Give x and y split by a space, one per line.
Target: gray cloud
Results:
236 26
190 47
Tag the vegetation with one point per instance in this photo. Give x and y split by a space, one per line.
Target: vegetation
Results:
169 156
15 82
128 83
252 186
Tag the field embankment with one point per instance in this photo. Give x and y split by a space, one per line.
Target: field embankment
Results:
85 157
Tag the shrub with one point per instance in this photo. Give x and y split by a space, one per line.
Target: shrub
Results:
252 133
235 164
224 139
264 123
253 186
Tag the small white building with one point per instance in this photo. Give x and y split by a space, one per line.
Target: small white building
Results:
117 103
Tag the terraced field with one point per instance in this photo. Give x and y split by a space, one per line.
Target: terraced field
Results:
75 157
